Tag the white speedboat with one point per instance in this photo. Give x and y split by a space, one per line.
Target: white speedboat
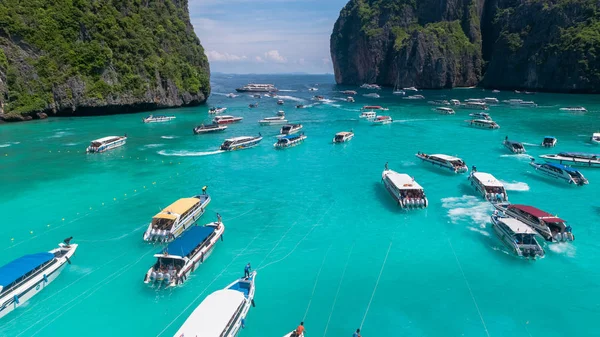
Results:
209 128
517 236
454 102
240 143
574 109
514 147
106 143
370 86
483 124
158 119
574 159
438 102
255 87
273 120
382 120
368 114
281 113
414 97
318 98
595 139
216 110
405 190
491 100
529 104
372 95
289 129
184 255
222 313
25 277
399 92
253 105
495 91
410 89
224 119
488 186
280 102
349 92
481 115
342 137
513 101
560 172
445 110
313 89
172 221
549 141
289 140
550 227
475 106
350 99
231 95
443 161
374 107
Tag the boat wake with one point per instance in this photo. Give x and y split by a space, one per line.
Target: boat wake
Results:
478 230
563 248
168 137
184 153
152 146
520 156
531 144
515 186
60 134
287 90
68 144
468 208
9 144
290 98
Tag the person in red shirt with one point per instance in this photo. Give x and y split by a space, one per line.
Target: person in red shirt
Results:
300 329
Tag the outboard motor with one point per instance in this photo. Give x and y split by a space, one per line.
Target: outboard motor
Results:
153 276
167 278
160 277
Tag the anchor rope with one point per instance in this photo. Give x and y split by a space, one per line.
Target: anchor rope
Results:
338 290
376 285
470 291
316 281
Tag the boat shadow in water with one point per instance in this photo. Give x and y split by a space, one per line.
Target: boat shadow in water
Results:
549 181
386 199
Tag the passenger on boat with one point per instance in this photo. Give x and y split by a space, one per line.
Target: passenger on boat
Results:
247 271
204 189
67 242
299 330
218 218
386 166
357 333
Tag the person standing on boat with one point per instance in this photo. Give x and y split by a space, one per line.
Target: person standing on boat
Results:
218 218
386 166
357 333
299 330
247 270
204 190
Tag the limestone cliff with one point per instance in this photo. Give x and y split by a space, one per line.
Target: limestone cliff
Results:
85 57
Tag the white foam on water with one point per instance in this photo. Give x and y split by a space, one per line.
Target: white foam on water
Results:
327 101
407 163
59 134
563 248
290 98
184 153
478 230
152 146
468 208
71 144
9 144
531 144
515 186
287 90
169 137
519 156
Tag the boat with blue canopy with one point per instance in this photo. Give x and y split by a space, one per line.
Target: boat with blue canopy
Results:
182 256
25 277
560 172
222 313
289 141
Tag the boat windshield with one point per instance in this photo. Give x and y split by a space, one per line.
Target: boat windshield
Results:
339 137
168 265
228 143
162 223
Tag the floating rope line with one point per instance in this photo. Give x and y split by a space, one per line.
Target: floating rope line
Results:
338 290
376 285
470 291
315 285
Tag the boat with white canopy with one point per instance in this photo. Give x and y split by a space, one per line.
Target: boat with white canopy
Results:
368 114
273 120
445 110
488 186
574 109
574 159
25 277
184 255
172 221
483 124
560 172
517 236
106 143
381 120
550 227
405 190
209 128
453 164
158 119
240 143
342 137
289 129
222 313
513 146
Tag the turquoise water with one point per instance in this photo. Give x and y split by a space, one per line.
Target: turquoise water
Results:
295 212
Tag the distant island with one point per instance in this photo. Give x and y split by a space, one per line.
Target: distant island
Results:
502 44
88 57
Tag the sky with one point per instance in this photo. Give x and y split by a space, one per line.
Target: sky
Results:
266 36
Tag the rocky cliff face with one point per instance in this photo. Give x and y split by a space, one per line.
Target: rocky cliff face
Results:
546 45
84 57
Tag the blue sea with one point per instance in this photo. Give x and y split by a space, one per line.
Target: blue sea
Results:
330 245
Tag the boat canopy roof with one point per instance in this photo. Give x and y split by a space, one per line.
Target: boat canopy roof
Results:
291 137
578 154
105 139
237 139
190 239
596 134
562 167
403 181
538 213
517 226
445 157
487 179
343 133
13 270
177 208
550 137
213 315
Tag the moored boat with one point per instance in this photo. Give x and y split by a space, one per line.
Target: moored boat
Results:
439 102
560 172
342 137
574 109
240 143
488 186
231 95
550 227
318 98
549 141
483 124
451 163
349 92
214 127
222 313
595 139
514 147
529 104
410 89
445 110
289 129
513 101
158 119
399 92
368 114
481 115
374 107
574 159
454 102
181 257
350 99
216 110
253 105
225 119
281 112
25 277
255 87
517 236
491 100
273 120
404 189
174 219
370 86
280 102
382 120
475 105
289 140
372 95
414 97
106 143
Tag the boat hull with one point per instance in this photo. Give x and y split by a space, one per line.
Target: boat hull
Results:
509 242
564 177
243 146
450 168
573 162
272 122
201 131
181 226
106 147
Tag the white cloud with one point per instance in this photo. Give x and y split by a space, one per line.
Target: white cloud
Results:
215 56
273 55
326 61
259 59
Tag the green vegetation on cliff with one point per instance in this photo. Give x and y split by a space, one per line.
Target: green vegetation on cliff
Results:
97 50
